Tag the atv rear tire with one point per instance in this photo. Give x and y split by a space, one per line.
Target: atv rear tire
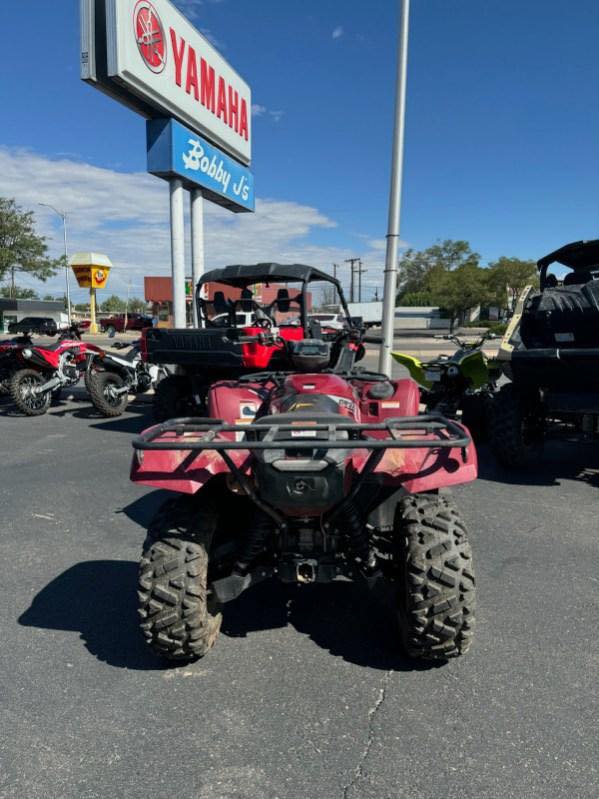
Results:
180 618
21 384
172 398
516 427
436 597
108 404
476 414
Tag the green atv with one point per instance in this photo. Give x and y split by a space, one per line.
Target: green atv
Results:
463 382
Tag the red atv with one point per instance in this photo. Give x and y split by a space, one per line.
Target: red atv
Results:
319 473
42 372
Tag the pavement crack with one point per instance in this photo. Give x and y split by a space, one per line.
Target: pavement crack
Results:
358 772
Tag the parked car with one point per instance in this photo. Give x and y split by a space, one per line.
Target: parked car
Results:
43 325
333 321
116 323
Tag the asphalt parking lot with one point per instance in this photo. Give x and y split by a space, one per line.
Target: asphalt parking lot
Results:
306 693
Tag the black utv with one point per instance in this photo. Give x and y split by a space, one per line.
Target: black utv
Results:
553 365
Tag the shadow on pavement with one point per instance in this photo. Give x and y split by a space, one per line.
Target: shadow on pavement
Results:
143 510
96 599
558 461
342 617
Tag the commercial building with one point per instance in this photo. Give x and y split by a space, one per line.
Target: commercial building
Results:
15 310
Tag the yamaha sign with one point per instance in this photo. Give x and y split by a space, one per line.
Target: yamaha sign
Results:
146 54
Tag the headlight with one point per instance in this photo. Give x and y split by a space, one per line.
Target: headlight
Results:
27 353
453 371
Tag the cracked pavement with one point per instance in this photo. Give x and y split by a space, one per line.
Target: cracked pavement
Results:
305 694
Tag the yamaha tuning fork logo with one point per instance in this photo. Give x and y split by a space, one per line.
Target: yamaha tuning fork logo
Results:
149 34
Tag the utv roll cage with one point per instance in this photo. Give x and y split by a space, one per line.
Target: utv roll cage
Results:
243 276
582 257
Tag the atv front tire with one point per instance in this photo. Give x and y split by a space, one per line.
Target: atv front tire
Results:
180 617
516 427
101 387
22 384
433 564
172 398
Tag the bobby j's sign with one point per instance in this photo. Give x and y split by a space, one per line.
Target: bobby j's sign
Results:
176 151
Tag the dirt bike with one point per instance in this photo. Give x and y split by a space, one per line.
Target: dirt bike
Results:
8 359
110 378
464 381
43 371
306 474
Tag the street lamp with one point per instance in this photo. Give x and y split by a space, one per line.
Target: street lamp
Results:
63 216
395 195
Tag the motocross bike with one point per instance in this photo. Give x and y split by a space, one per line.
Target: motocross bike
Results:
464 381
43 371
110 378
310 475
8 360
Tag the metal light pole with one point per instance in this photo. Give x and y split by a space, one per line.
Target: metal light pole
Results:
178 251
63 216
395 194
197 247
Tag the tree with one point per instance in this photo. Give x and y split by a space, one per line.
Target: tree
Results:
459 290
507 277
113 304
49 298
21 249
136 305
445 256
18 293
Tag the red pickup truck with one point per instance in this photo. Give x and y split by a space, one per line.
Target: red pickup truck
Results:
116 323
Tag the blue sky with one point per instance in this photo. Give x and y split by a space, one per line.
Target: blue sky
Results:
502 140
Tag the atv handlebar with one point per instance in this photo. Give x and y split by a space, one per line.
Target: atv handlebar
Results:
448 435
463 344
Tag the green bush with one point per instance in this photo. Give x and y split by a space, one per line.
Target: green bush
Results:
498 328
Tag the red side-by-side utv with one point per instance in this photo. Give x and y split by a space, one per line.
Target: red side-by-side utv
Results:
303 467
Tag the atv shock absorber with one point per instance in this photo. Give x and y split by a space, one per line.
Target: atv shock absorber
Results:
351 524
260 528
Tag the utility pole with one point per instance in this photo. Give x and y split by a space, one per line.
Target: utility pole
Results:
335 268
127 303
352 262
393 229
63 216
361 271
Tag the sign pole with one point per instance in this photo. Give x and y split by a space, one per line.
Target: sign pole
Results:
93 327
395 195
178 252
197 246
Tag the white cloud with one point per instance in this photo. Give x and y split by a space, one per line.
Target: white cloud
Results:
126 216
262 110
338 32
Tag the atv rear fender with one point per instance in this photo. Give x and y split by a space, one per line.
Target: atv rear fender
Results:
421 453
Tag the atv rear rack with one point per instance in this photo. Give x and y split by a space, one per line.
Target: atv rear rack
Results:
448 434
